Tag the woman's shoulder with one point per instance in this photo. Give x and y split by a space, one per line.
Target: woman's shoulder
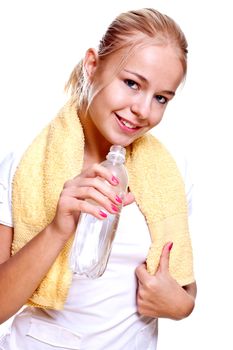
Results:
179 153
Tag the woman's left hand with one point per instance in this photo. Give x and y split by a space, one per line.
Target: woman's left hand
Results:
160 295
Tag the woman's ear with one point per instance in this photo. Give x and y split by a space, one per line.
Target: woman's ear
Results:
90 63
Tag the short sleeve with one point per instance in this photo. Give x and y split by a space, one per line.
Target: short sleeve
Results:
7 169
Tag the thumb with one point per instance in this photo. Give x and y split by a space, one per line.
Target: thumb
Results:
164 257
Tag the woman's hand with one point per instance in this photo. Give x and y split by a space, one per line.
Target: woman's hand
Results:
97 184
160 295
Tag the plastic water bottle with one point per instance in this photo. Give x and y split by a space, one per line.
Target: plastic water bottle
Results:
93 238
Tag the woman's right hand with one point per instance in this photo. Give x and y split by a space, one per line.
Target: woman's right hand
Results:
97 184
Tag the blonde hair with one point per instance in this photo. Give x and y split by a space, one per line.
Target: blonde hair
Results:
128 30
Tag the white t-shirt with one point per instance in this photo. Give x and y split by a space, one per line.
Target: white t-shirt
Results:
99 314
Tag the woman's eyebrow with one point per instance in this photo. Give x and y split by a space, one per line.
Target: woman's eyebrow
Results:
137 75
168 92
141 77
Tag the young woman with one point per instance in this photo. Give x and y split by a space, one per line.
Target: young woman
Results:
118 94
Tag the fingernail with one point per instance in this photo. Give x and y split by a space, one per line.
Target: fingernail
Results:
114 207
118 199
170 246
115 180
103 214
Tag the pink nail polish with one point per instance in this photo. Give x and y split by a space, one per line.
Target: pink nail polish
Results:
170 246
103 214
115 180
118 199
114 207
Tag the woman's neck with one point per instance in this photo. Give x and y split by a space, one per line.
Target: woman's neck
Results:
96 146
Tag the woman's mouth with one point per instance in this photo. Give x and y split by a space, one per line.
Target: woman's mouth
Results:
127 125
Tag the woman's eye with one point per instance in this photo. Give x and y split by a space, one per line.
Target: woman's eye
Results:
161 99
131 83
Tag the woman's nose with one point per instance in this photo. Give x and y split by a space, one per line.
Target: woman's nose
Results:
142 107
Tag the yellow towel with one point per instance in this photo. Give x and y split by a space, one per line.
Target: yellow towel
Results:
55 156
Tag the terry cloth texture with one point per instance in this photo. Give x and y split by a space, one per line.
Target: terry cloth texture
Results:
55 156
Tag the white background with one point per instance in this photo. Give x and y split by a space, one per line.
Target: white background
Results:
42 40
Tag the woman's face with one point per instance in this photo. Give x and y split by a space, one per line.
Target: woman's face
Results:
133 101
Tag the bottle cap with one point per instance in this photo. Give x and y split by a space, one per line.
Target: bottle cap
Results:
118 151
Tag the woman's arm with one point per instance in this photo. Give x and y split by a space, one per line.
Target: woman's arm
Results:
160 295
21 274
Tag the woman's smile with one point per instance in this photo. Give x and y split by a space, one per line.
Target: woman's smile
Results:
126 125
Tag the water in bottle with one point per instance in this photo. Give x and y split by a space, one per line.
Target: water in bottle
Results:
93 238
